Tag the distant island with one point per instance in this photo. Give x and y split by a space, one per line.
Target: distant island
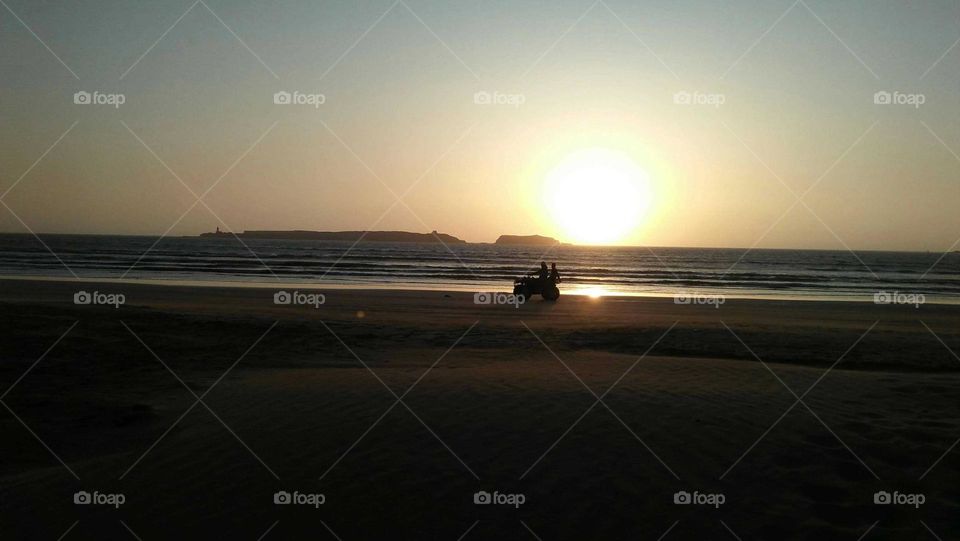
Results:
349 236
381 236
530 240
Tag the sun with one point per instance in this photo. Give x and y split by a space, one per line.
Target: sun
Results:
597 196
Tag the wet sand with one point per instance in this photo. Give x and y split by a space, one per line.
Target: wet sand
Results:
495 398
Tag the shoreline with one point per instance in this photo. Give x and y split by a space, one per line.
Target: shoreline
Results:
776 330
566 291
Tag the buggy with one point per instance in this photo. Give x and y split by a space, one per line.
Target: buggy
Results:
530 285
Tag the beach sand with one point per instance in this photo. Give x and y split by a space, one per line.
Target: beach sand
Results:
692 398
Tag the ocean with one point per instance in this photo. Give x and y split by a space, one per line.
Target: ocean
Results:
764 273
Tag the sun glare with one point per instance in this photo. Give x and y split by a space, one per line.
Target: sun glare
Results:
594 292
597 196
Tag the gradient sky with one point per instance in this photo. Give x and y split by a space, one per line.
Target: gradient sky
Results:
798 84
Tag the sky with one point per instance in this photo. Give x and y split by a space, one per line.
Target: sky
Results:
755 122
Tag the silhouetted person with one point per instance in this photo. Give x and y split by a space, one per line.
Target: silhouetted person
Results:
554 273
544 273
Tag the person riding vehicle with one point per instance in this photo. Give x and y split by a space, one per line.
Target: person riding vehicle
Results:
541 282
543 273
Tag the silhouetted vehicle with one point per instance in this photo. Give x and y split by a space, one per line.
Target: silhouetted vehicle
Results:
529 286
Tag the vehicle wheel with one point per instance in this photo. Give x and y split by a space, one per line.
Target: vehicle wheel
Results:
552 293
523 292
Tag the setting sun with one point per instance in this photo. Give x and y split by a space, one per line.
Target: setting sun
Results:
597 196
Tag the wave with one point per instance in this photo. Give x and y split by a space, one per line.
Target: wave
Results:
629 269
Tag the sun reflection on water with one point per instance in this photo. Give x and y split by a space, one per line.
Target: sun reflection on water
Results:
594 292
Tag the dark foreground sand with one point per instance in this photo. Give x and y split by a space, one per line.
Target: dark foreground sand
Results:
312 407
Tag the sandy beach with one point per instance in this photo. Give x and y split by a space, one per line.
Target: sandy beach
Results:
198 404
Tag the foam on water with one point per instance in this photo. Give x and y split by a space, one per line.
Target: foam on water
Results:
594 270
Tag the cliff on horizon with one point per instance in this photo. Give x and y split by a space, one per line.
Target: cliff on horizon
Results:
530 240
349 236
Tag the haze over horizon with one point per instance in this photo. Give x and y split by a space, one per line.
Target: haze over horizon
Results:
726 113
